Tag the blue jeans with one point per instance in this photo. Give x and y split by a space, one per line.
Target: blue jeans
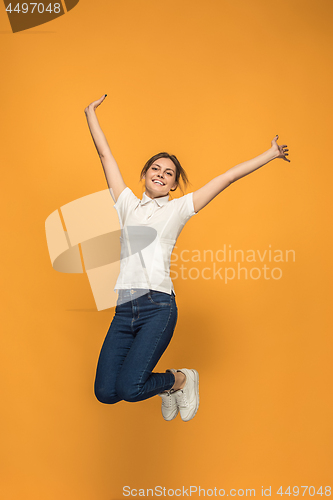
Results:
140 331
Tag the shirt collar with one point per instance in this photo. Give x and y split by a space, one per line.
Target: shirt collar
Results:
162 200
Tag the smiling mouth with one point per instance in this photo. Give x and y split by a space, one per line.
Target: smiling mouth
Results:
160 183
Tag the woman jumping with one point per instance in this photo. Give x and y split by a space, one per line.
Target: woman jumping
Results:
146 311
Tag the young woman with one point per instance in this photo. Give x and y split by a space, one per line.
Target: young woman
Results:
146 311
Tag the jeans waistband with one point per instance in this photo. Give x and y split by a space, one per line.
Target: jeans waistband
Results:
137 292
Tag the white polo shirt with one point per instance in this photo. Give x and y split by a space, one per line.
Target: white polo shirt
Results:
150 228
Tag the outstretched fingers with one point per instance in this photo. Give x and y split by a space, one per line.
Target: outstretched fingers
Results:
282 149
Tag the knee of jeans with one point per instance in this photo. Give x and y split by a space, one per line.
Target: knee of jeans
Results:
127 392
105 396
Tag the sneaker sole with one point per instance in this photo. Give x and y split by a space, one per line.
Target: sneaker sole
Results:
196 381
169 419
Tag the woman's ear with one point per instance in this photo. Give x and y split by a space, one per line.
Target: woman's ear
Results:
174 186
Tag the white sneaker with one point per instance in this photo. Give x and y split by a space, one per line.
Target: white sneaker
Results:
169 403
187 398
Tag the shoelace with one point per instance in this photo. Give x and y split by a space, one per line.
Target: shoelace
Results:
181 399
167 400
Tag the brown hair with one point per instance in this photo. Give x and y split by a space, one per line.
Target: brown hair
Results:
180 172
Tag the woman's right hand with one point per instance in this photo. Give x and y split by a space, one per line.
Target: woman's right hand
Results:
95 104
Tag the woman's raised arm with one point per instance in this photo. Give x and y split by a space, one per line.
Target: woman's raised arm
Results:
111 170
204 195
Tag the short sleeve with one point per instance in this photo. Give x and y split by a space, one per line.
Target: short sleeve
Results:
126 201
185 207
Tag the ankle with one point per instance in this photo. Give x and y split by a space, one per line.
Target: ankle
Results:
180 381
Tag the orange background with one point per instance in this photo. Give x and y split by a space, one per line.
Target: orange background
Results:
211 82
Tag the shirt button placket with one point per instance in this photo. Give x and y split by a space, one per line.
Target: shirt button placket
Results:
150 210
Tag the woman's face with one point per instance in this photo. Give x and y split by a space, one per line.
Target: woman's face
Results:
160 178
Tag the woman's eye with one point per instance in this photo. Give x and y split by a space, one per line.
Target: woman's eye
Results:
169 173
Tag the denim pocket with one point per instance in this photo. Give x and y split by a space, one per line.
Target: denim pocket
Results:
159 298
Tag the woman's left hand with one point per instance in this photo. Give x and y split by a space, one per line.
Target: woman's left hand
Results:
280 151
